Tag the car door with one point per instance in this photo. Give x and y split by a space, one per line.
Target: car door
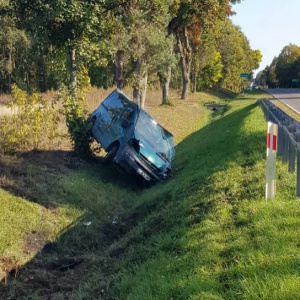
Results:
107 127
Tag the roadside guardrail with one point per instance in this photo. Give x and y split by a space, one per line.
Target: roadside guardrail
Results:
288 140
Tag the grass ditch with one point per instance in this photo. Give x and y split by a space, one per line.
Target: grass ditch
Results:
207 233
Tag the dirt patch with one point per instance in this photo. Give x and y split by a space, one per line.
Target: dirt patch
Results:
5 111
53 280
8 268
4 98
34 242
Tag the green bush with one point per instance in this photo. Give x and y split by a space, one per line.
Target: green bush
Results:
31 124
75 113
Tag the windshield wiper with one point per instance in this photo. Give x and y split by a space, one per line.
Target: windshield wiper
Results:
162 155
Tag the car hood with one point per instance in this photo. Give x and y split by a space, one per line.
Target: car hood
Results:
162 159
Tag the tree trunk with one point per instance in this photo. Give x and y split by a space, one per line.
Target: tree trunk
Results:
73 71
140 86
10 70
27 80
119 69
9 83
136 88
140 90
165 84
43 75
194 82
185 61
144 81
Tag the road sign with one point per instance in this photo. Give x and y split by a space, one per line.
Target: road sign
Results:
245 75
295 80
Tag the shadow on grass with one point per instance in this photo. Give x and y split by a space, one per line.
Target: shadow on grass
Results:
32 174
113 206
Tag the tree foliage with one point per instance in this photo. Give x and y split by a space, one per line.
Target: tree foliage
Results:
14 44
190 20
283 70
237 55
70 37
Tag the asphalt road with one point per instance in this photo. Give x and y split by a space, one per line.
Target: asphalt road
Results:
290 97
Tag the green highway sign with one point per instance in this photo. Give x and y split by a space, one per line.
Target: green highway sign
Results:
245 75
295 80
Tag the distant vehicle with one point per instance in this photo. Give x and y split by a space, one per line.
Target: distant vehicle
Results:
132 138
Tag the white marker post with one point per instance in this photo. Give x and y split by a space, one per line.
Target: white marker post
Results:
271 160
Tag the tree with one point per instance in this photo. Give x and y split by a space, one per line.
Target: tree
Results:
236 54
13 41
211 73
190 17
261 78
165 64
286 69
150 54
270 74
207 65
70 25
141 45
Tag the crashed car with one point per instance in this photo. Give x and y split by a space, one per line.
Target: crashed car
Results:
132 138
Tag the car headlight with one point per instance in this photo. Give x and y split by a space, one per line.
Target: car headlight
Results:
150 158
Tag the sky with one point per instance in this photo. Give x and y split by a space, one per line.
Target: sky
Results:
269 25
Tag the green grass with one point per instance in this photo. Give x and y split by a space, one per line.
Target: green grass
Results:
26 227
206 233
216 237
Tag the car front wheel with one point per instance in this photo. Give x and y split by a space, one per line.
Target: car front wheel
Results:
109 157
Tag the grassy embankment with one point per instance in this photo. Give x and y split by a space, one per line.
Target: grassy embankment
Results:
206 233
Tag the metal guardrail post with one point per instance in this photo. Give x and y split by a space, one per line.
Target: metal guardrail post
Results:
298 171
292 145
285 145
267 113
291 156
297 137
280 139
288 136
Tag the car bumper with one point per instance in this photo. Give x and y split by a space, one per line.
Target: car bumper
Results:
129 161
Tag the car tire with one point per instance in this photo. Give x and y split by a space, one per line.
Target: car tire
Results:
109 157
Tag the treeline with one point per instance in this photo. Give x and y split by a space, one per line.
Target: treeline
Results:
188 45
284 71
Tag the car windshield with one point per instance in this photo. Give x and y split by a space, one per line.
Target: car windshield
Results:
159 138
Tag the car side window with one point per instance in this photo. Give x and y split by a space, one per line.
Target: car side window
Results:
115 105
127 114
127 117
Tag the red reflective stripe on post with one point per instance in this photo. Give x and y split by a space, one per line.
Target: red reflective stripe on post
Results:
272 141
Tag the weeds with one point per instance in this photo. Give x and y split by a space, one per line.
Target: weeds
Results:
32 123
